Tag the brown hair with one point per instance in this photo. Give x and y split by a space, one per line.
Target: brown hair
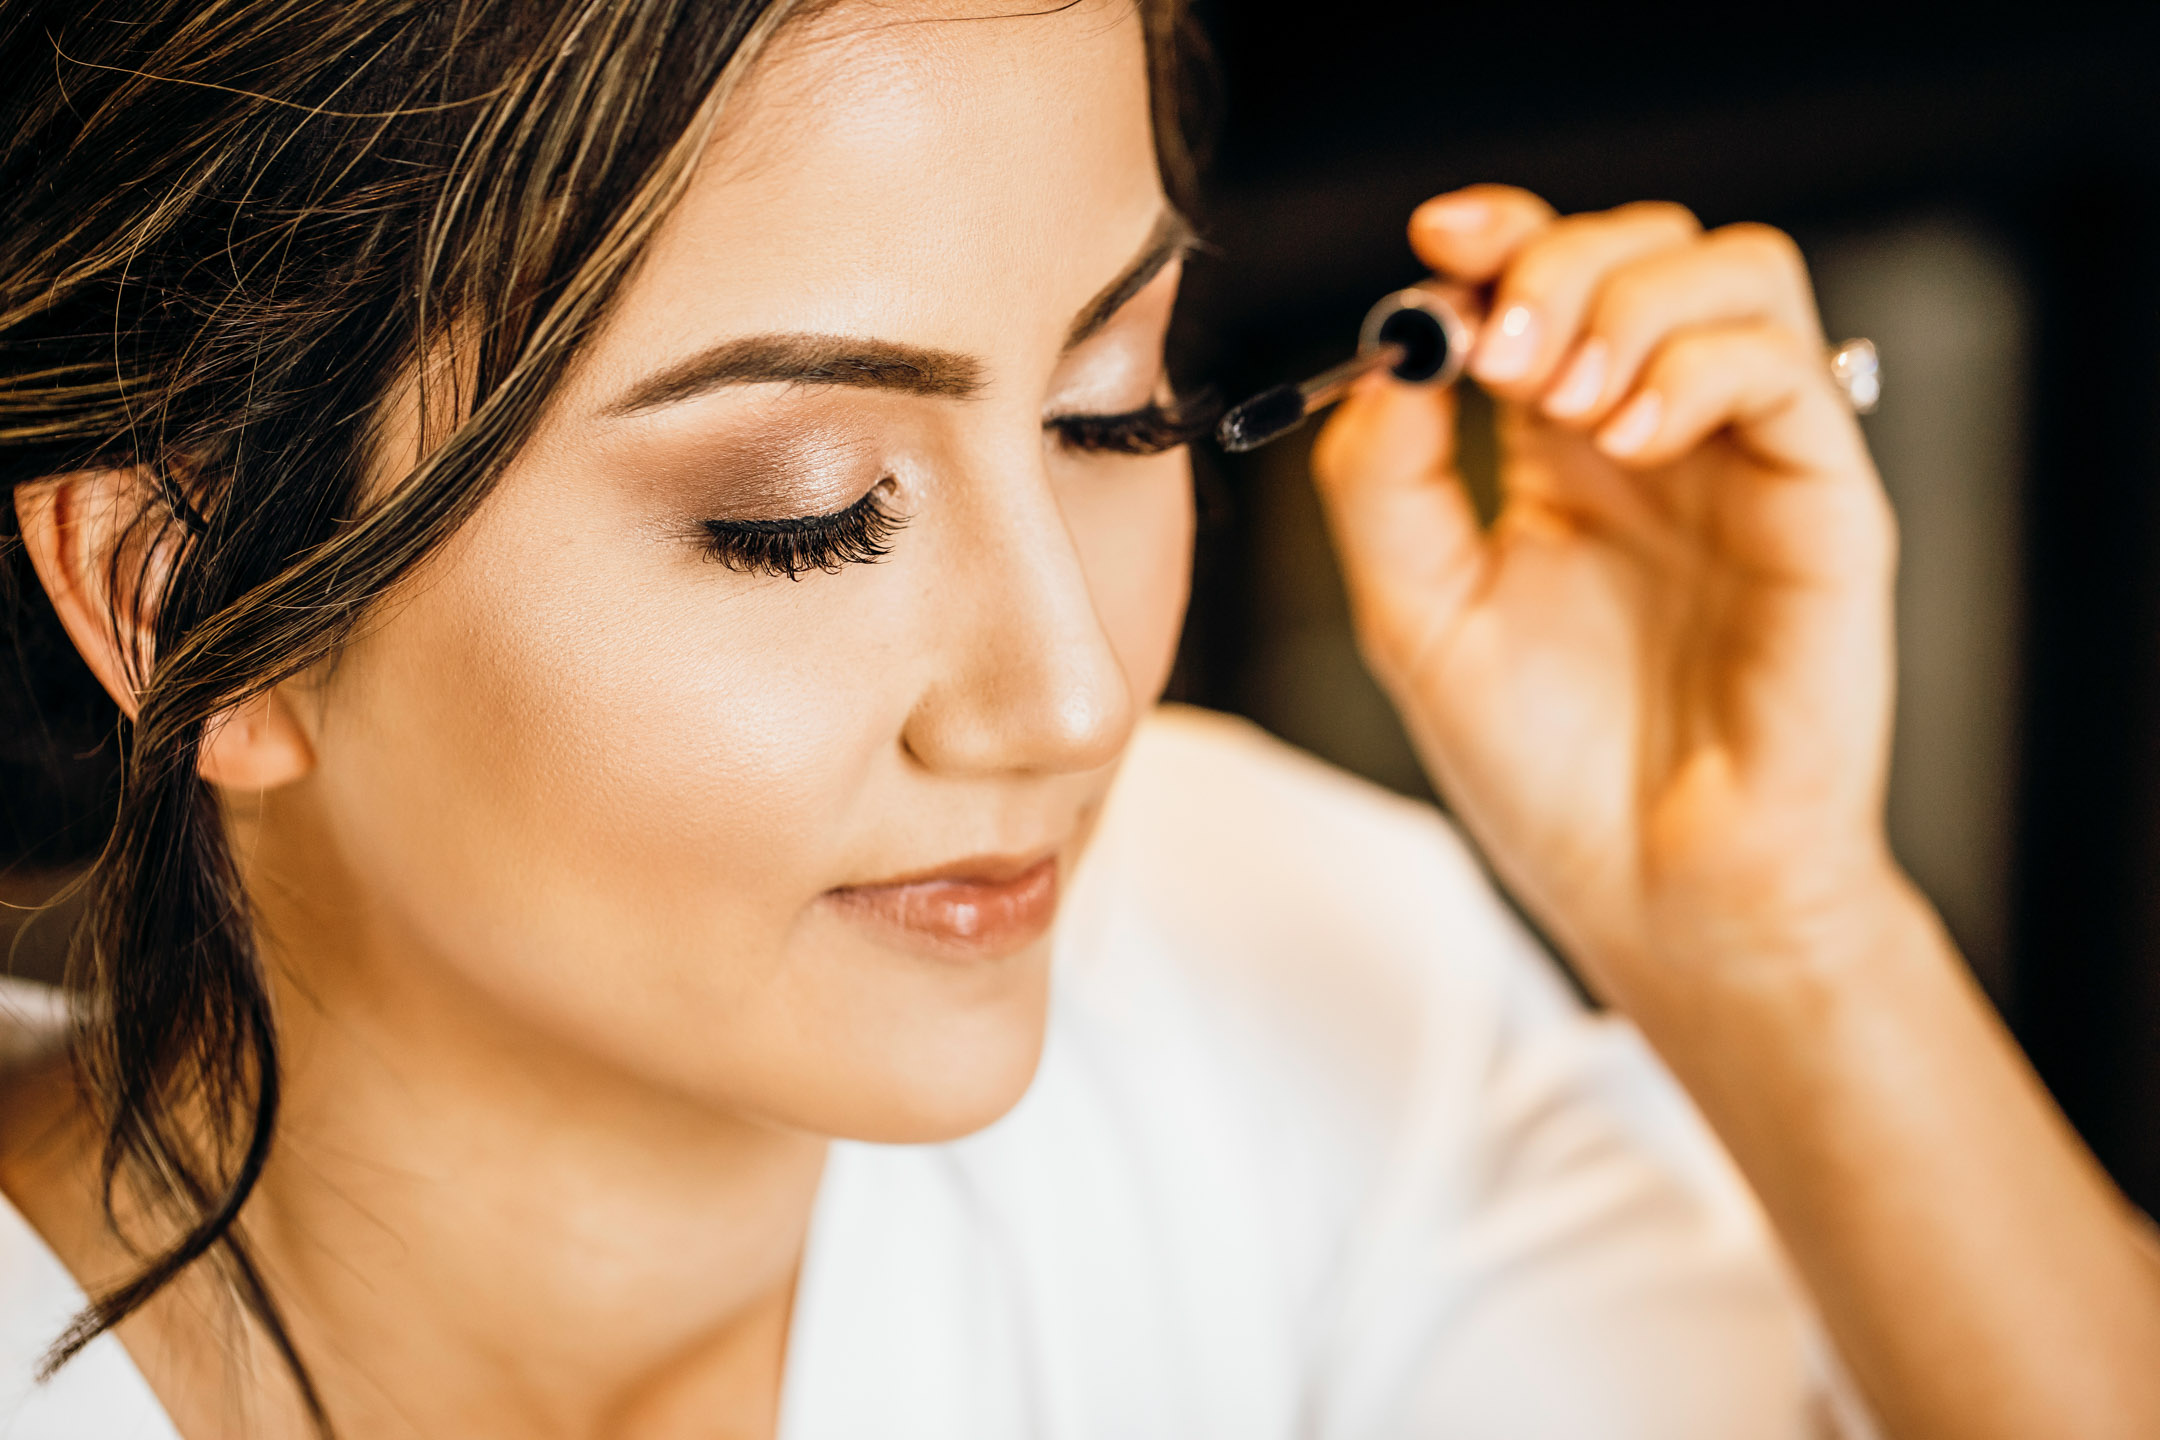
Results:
231 232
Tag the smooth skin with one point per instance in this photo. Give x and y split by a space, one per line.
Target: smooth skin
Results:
1658 691
548 863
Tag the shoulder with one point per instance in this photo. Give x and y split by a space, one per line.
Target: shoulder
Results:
99 1392
37 1295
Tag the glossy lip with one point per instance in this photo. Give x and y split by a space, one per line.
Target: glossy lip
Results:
984 907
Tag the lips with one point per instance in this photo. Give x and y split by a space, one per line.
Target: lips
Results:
985 907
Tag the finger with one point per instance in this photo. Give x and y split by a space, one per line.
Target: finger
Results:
1813 508
1470 234
1808 523
1409 539
1546 290
1756 378
1739 273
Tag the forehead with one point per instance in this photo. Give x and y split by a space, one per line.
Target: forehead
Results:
943 174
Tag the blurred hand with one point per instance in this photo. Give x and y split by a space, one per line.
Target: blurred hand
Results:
1658 689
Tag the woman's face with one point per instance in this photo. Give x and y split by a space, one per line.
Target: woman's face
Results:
788 845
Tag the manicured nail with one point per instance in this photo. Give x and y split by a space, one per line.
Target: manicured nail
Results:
1582 382
1506 350
1632 428
1457 214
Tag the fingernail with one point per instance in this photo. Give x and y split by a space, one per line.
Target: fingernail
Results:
1632 428
1583 381
1459 214
1506 350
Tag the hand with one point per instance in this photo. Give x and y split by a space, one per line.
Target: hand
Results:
1658 690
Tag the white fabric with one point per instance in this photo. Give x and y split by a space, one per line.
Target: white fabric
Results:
100 1396
1321 1147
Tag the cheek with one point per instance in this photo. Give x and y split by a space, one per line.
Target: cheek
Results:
597 788
1132 523
603 754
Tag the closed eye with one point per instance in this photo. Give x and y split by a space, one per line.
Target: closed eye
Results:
863 532
857 534
1150 430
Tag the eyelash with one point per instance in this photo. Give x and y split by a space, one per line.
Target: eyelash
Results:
863 532
1150 430
858 535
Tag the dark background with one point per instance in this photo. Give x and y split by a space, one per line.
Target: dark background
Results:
1981 194
1979 189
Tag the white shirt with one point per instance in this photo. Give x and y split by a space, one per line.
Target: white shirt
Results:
1321 1149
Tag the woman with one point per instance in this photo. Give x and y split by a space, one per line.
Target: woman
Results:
638 539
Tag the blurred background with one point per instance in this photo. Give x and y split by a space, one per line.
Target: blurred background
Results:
1980 194
1978 189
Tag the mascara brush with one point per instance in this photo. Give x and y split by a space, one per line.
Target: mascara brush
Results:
1414 334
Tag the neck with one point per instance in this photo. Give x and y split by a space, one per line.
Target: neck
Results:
478 1231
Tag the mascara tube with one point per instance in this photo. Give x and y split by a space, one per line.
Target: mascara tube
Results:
1414 334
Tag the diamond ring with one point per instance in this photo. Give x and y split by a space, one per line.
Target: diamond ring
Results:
1856 370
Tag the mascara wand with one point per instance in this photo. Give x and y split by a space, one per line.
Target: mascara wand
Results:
1414 334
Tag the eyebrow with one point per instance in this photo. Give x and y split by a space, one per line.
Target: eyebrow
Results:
807 360
870 364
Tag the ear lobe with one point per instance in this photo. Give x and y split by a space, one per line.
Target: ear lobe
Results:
256 745
72 525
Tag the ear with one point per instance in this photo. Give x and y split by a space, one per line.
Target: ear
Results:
258 744
72 526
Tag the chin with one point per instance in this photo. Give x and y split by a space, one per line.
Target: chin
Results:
931 1077
944 1100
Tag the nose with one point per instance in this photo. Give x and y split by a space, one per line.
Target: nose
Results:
1026 678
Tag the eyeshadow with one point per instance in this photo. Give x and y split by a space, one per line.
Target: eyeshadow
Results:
774 468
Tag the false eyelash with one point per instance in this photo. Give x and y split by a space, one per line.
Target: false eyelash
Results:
857 535
1148 431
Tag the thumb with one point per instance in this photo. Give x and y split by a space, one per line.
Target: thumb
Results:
1412 552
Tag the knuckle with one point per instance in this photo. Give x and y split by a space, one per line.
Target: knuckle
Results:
1629 302
1780 345
1765 244
1803 354
1693 359
1683 363
1547 261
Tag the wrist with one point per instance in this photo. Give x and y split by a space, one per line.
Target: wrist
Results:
1795 953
